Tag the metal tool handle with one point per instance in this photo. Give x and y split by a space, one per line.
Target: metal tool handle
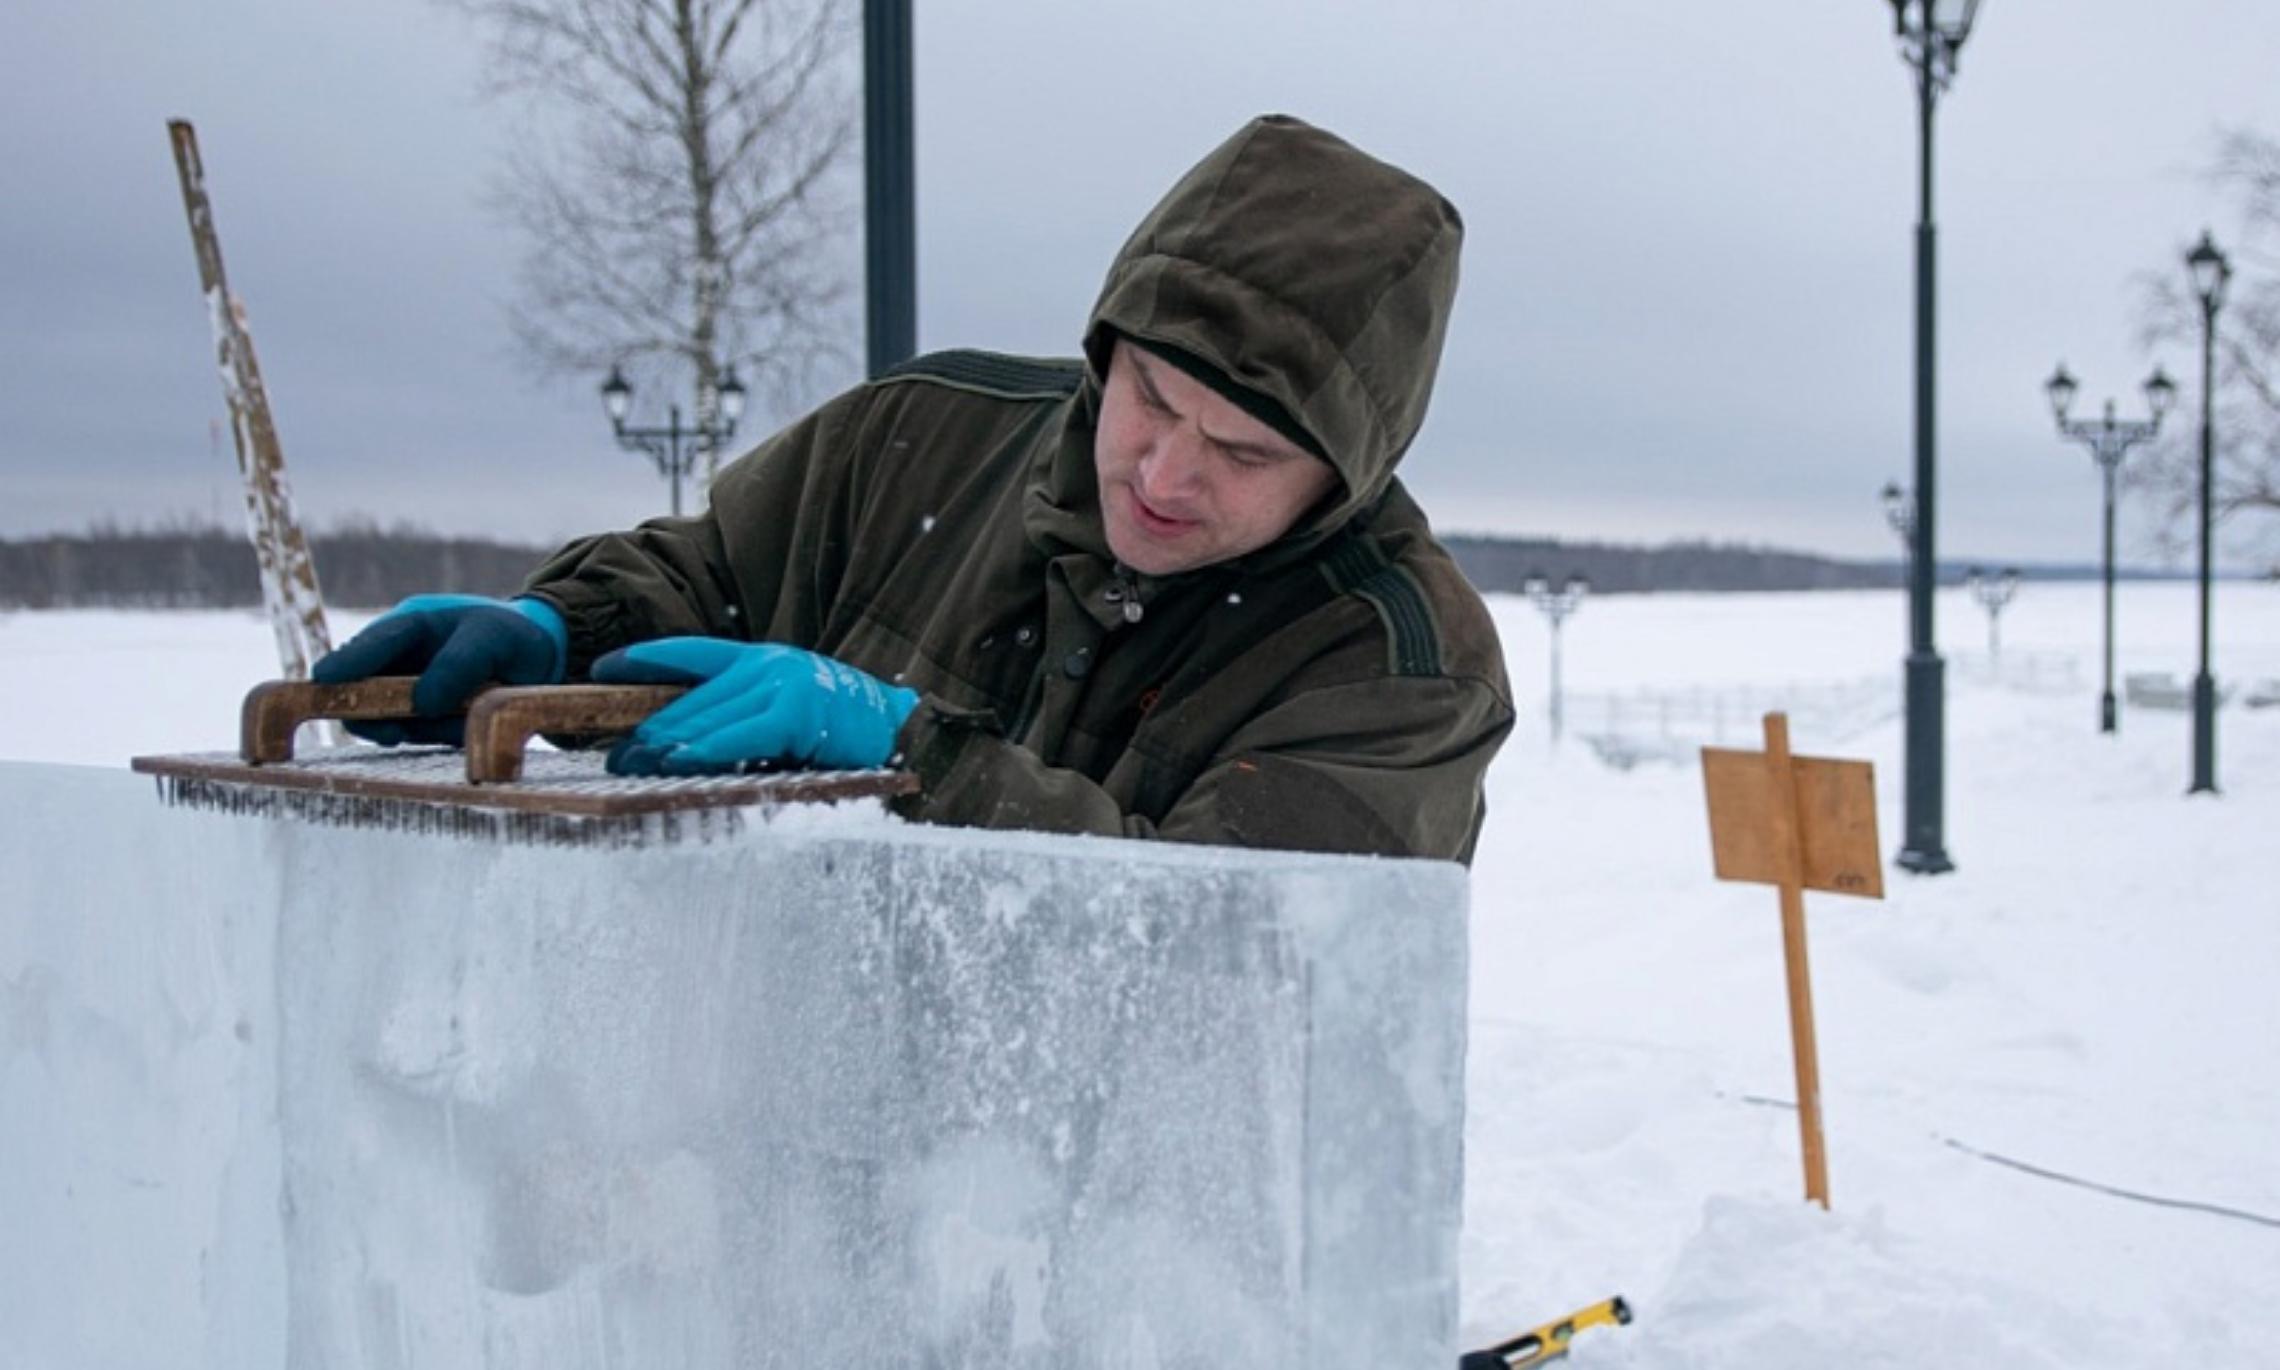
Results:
501 720
274 710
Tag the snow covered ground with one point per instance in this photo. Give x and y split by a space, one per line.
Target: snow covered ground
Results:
2090 995
2091 992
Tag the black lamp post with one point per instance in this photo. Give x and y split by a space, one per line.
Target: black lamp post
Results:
1931 34
675 447
1556 604
1993 594
2108 439
890 186
2210 273
1900 515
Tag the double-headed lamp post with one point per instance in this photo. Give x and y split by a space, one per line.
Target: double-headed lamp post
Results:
1994 594
1900 514
2108 439
675 447
1556 603
2210 274
1931 33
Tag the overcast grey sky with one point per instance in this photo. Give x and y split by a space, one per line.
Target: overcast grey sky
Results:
1687 278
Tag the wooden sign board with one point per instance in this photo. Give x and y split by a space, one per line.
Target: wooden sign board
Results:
1836 812
1798 823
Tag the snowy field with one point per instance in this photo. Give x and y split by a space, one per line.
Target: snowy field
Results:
2051 1079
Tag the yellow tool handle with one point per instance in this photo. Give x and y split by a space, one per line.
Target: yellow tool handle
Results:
1541 1345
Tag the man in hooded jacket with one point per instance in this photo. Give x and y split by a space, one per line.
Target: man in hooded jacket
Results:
1171 590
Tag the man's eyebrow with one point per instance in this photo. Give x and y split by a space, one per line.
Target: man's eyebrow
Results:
1145 370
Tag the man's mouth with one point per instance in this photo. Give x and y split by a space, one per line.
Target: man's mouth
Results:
1151 522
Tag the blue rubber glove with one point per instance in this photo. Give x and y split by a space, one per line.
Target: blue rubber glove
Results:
753 702
457 644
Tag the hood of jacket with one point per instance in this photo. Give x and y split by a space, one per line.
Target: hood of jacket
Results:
1306 271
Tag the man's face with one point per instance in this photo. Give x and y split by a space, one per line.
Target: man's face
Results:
1187 479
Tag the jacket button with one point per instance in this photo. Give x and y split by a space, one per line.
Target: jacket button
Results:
1025 635
1077 663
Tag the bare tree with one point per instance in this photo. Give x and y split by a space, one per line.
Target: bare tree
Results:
2247 458
677 186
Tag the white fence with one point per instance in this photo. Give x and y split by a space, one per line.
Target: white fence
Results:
1626 727
2052 673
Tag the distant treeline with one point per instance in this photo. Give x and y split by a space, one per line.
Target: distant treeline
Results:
359 566
1504 564
364 566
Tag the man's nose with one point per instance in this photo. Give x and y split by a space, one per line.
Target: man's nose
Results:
1172 468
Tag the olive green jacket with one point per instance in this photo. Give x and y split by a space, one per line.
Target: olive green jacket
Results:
1339 690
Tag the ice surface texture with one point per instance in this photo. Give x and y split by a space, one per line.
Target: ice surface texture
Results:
827 1095
139 1148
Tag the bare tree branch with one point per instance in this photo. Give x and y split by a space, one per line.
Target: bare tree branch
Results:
680 185
2245 489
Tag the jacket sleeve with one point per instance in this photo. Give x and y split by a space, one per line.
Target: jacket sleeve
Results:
763 560
1385 767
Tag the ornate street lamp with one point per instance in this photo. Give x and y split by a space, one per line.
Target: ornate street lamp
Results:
1556 604
1931 33
2108 439
2210 273
675 447
1900 516
1993 593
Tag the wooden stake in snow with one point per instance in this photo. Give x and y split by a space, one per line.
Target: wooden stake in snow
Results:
1800 823
288 574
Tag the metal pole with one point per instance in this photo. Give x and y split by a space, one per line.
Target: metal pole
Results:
1555 677
890 237
673 457
1922 850
2106 698
2204 684
2109 440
